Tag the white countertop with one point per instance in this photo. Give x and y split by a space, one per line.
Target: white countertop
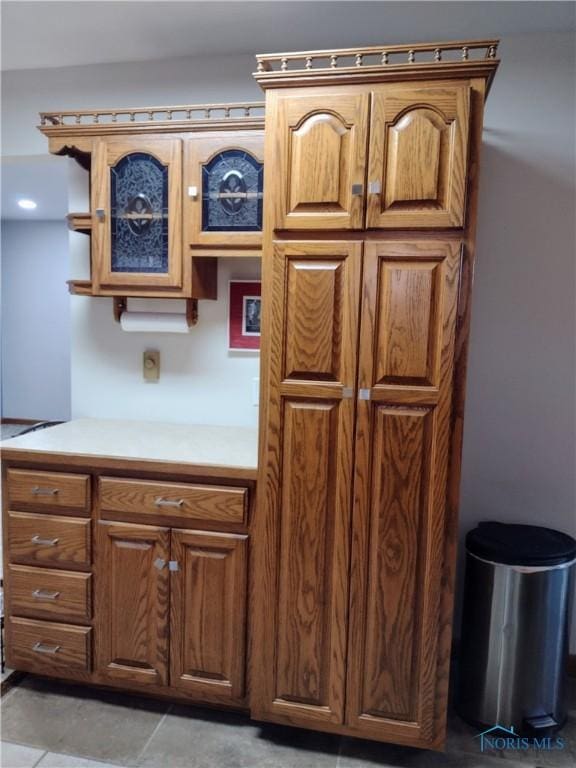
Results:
201 445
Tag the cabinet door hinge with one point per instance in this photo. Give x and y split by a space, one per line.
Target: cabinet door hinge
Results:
364 394
173 565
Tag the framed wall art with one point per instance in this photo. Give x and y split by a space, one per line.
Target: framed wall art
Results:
244 302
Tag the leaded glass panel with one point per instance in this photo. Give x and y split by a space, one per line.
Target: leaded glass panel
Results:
139 214
232 193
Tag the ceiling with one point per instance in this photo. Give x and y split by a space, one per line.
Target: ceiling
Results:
41 178
60 34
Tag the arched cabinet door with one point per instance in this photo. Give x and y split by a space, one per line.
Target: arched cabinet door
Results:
137 214
418 157
224 197
317 155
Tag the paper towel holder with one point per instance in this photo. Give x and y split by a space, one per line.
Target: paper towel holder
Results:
121 305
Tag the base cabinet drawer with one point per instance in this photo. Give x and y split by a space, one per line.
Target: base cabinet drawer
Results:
50 594
52 491
213 503
42 644
48 540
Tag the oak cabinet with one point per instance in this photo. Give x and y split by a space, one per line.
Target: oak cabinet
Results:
418 156
363 362
171 609
320 159
136 189
208 614
404 168
132 602
171 189
223 177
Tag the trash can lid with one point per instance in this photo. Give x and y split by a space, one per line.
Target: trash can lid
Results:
513 544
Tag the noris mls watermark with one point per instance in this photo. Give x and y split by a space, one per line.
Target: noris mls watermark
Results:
499 738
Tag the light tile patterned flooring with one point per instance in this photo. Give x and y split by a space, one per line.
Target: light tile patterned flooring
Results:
51 725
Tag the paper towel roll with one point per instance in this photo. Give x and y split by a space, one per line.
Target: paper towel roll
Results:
154 322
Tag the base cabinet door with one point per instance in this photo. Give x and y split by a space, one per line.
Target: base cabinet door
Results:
132 602
402 453
208 614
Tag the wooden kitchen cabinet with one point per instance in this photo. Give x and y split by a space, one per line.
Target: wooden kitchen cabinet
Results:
404 168
319 154
363 362
208 614
223 177
132 601
136 188
171 188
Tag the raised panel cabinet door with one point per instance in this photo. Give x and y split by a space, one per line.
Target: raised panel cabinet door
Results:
136 204
223 180
303 508
409 309
132 601
418 156
208 615
317 154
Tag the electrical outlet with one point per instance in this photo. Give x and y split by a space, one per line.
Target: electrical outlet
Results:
151 365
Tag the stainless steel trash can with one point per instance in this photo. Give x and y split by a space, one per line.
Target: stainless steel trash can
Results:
518 596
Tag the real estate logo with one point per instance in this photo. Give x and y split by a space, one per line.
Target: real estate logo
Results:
499 738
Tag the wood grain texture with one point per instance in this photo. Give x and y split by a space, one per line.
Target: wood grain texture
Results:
36 645
47 593
418 155
49 540
321 154
208 615
132 601
400 491
174 500
199 150
49 491
107 153
300 588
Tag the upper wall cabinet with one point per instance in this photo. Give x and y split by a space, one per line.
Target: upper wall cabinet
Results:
224 180
170 189
319 157
418 154
405 168
136 197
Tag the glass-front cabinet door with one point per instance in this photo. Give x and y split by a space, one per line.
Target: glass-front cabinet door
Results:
137 210
224 189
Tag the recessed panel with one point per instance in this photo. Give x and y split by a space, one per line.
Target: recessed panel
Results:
306 544
408 336
313 325
399 499
320 150
414 158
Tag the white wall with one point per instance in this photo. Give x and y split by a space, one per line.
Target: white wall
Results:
520 437
35 321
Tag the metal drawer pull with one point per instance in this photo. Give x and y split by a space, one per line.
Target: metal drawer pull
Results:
357 189
374 187
41 648
36 539
100 213
38 491
160 502
44 594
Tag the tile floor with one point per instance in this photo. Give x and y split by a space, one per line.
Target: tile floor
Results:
51 725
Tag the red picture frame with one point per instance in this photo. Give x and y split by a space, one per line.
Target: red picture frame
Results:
244 303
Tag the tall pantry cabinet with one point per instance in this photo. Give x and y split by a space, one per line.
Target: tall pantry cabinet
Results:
371 170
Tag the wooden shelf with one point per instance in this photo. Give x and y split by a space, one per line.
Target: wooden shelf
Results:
80 222
80 287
